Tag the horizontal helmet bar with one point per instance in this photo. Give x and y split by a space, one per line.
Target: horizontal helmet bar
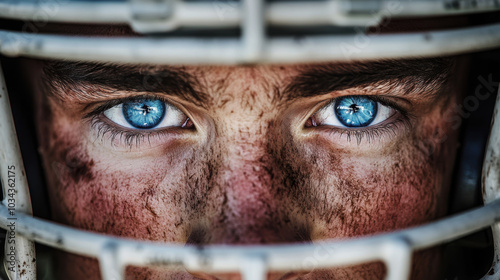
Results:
231 51
229 13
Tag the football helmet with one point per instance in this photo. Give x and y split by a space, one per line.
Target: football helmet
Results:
352 35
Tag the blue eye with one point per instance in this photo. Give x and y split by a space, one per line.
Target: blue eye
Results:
355 111
144 113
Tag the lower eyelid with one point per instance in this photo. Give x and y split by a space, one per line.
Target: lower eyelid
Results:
123 137
396 125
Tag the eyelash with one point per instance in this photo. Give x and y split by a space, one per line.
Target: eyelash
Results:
129 137
372 133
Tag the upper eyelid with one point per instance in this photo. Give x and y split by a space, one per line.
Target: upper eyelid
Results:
115 102
384 100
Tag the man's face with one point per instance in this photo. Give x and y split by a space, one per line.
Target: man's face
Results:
247 154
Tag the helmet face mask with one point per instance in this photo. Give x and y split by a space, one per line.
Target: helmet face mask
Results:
246 140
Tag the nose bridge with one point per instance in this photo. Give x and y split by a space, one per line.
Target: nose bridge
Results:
249 211
247 177
245 150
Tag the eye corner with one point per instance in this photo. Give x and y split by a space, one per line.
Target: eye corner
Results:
310 122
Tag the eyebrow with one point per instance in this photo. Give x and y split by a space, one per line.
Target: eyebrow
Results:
427 77
84 81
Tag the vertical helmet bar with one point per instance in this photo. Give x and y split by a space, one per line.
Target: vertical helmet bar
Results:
491 183
19 259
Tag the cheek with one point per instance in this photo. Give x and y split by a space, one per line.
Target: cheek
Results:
119 204
383 194
95 190
347 195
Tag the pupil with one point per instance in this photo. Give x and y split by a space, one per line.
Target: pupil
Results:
146 109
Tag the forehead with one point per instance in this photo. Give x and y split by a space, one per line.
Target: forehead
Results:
254 74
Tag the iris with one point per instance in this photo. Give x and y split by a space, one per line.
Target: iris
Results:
355 111
144 113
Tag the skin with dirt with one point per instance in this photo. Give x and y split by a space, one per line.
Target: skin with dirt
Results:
249 169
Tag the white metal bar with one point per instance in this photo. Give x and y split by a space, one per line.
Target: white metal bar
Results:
19 252
186 14
387 46
253 30
228 258
287 50
491 184
205 14
169 15
335 13
152 16
253 267
110 263
397 257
